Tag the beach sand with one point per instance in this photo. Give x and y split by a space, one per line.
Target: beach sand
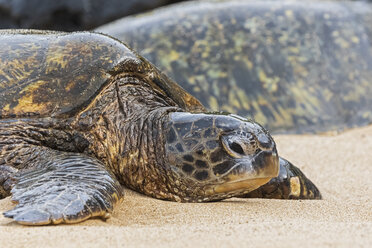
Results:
340 165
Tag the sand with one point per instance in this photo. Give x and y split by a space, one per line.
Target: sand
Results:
341 166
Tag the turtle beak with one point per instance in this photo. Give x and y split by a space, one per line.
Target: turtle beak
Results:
251 172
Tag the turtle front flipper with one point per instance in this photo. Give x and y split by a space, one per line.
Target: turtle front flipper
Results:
291 183
68 189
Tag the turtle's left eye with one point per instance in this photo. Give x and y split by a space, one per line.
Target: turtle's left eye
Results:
237 148
233 146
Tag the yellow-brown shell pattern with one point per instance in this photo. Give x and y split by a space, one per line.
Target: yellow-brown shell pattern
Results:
46 73
292 66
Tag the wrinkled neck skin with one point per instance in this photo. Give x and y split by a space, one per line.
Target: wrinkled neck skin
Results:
127 135
131 135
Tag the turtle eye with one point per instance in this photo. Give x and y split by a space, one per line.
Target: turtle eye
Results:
233 146
237 148
238 145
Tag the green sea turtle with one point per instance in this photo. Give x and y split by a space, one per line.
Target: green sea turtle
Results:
293 66
82 115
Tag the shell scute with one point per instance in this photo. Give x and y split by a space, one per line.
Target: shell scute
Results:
51 74
46 73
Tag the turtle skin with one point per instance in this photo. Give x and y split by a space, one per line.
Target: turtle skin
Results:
294 67
82 115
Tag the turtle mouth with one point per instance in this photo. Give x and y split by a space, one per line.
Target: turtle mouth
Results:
249 173
245 185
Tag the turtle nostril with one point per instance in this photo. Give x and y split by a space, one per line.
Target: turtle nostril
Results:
264 142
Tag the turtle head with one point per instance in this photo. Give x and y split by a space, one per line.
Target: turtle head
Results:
215 156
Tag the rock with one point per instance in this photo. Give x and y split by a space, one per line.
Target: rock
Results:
69 15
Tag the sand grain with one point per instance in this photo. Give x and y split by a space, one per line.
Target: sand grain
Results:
340 165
